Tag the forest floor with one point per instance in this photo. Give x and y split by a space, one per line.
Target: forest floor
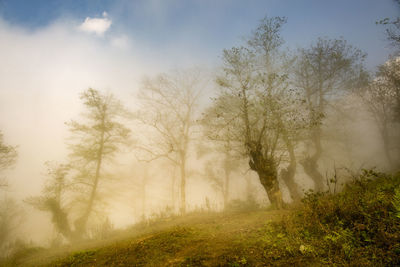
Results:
357 227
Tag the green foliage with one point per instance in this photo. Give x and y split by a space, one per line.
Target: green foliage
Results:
396 202
357 226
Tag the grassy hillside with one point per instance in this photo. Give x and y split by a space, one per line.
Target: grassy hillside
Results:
357 227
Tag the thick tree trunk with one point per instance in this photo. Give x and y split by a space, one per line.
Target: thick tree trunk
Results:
310 164
288 174
59 218
310 167
386 145
267 173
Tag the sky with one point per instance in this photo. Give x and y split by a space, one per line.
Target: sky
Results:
205 27
51 50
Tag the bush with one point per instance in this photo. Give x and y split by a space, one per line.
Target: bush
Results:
357 226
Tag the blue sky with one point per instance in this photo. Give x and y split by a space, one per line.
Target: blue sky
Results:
208 26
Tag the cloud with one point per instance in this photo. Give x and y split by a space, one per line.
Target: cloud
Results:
96 25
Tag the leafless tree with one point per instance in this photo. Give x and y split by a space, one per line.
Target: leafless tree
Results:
168 111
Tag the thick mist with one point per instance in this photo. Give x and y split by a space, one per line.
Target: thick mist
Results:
158 136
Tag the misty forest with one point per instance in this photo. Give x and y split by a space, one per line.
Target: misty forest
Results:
280 153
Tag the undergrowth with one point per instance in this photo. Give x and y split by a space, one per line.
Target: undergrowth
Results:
359 226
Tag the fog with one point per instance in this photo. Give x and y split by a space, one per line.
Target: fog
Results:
43 74
45 71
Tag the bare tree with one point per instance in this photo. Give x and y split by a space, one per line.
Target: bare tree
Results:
325 71
96 140
169 106
139 183
219 168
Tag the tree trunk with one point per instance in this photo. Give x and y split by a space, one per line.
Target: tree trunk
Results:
183 185
386 145
59 218
143 193
310 164
80 223
267 173
226 187
173 198
310 167
288 174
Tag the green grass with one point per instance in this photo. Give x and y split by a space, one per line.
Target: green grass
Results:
357 227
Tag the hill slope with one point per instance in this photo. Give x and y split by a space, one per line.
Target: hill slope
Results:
357 227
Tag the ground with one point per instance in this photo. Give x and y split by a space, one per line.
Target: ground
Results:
360 226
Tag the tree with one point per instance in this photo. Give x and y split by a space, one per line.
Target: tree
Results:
54 197
10 211
8 157
389 75
324 72
169 105
253 108
11 216
393 29
382 99
138 185
97 140
219 168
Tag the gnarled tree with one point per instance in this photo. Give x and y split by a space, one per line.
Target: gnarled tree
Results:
253 107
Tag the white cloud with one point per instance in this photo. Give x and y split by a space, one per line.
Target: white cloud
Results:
96 25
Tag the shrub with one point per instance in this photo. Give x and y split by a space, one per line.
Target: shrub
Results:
356 226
